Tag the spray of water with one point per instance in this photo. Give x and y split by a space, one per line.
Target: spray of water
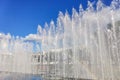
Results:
85 45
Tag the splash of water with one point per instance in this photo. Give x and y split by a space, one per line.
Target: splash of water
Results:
85 45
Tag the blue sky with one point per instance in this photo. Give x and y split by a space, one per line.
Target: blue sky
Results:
21 17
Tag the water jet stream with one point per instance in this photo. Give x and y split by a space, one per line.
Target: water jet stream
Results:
84 45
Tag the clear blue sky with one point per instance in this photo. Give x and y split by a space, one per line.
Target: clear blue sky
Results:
21 17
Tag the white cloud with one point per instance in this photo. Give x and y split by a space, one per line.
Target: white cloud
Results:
33 37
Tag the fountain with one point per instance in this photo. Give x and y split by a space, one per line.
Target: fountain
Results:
85 45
